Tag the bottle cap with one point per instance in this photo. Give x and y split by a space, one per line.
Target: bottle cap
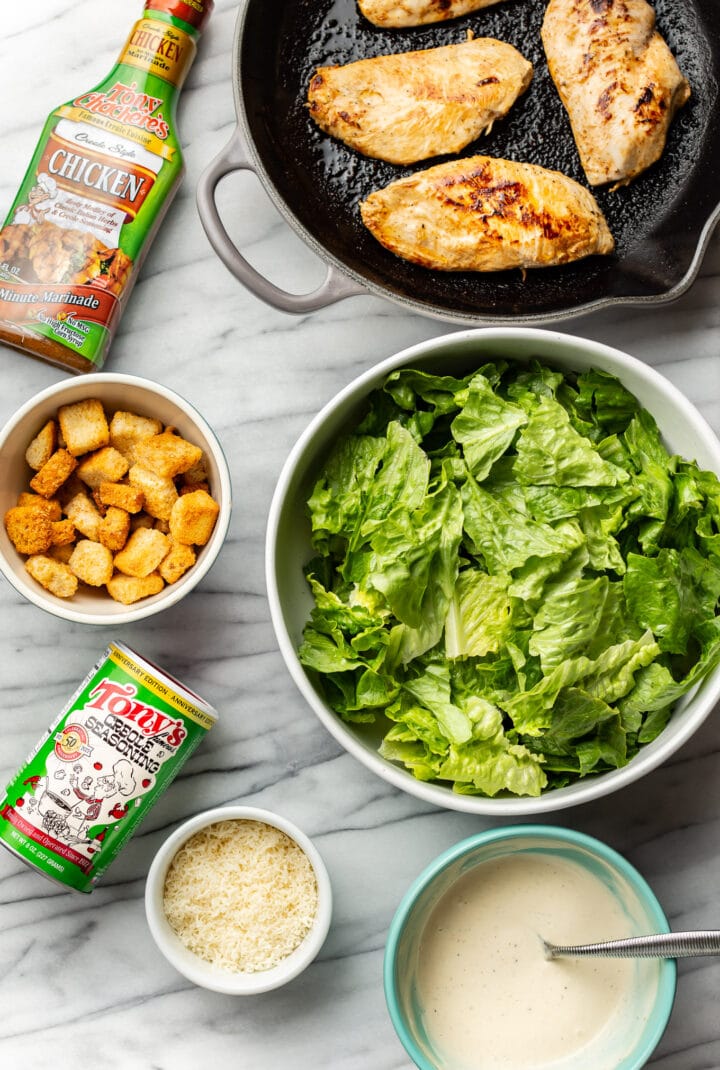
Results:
194 12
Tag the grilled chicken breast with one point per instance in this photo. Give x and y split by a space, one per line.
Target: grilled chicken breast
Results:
484 214
395 14
618 81
407 107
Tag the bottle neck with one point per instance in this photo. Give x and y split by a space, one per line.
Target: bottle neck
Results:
161 45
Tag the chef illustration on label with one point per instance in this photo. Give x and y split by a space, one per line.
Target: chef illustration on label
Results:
40 200
72 800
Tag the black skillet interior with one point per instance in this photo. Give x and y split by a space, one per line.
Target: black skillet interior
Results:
657 221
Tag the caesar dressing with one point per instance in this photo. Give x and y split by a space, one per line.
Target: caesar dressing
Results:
490 998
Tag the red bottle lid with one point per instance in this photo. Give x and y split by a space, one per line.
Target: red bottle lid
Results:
193 12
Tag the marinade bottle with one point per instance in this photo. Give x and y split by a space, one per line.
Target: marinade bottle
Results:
104 172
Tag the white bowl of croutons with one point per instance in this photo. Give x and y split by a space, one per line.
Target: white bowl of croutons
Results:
116 499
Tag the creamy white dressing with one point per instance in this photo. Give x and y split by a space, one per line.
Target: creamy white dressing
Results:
491 1000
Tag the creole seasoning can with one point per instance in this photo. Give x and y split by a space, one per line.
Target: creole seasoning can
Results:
88 784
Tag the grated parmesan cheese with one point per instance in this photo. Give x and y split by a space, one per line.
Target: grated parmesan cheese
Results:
241 895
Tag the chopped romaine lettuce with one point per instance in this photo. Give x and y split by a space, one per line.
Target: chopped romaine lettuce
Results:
513 575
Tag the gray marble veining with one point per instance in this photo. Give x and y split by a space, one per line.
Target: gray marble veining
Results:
83 983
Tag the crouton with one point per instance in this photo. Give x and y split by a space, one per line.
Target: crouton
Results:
177 562
42 446
122 496
104 466
54 576
193 518
53 473
162 525
160 494
167 455
49 507
28 529
127 430
114 528
188 488
91 563
63 532
143 552
129 589
83 426
84 515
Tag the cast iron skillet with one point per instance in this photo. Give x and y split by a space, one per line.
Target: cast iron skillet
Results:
661 222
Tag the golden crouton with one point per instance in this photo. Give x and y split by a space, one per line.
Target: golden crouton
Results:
84 515
160 494
49 507
129 589
63 532
42 446
28 529
193 518
54 576
53 473
162 525
127 430
114 528
143 552
121 495
91 563
188 488
177 562
167 455
106 465
83 426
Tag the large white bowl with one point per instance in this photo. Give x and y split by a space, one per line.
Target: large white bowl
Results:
132 394
288 545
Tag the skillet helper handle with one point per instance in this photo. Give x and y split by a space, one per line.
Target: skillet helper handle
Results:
235 157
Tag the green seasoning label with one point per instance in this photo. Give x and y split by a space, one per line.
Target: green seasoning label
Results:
101 177
93 777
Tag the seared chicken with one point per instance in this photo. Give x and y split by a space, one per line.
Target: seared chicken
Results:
484 214
406 107
394 14
618 81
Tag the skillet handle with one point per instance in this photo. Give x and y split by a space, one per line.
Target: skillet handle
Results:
235 157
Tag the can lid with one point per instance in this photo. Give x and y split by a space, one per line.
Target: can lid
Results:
194 12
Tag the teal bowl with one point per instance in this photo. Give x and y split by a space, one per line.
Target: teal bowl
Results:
637 1025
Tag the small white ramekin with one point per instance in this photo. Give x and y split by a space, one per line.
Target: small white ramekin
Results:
204 973
132 394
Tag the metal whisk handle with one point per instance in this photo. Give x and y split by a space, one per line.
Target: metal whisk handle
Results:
659 945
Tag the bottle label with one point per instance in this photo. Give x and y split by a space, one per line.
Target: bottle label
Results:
159 48
62 268
105 166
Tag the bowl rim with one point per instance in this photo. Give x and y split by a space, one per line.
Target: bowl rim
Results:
667 985
580 791
235 984
170 594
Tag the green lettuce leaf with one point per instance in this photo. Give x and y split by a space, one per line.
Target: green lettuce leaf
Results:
485 427
550 451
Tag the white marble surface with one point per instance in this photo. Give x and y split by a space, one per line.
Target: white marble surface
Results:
83 984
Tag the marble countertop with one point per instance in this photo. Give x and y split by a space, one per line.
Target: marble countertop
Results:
84 985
